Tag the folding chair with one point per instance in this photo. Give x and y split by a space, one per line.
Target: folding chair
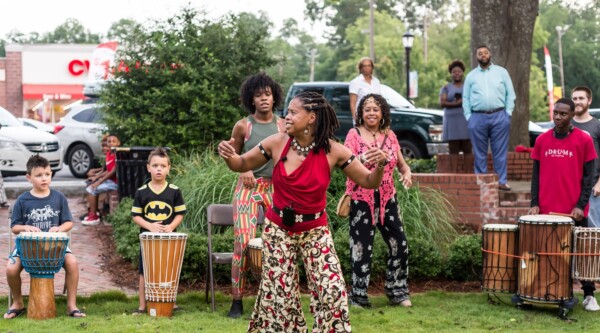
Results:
10 250
219 215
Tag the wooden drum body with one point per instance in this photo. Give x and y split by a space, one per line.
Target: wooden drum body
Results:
545 246
42 255
500 242
255 246
586 246
162 256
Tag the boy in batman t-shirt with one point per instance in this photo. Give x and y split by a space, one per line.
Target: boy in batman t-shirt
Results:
157 207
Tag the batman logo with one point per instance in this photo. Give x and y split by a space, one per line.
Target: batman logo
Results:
158 211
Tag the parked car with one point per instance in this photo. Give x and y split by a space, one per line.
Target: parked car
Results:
37 124
80 133
415 128
19 142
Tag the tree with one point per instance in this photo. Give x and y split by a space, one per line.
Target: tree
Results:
506 27
581 59
120 31
71 32
182 85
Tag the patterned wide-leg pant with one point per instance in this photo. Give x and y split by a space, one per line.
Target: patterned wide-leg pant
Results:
278 307
246 204
362 234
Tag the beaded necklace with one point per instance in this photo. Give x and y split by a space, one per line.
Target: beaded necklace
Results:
302 150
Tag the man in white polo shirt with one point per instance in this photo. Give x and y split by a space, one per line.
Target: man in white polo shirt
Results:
365 83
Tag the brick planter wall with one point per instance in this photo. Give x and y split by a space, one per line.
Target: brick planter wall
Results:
519 165
475 197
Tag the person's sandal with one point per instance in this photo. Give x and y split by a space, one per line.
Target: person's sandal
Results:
77 314
4 205
16 312
138 312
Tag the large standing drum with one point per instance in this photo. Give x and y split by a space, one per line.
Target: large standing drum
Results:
42 256
545 246
162 255
255 257
586 246
500 242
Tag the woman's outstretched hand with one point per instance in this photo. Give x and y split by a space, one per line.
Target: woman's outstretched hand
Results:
225 149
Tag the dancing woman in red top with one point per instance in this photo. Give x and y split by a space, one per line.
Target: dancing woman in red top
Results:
296 224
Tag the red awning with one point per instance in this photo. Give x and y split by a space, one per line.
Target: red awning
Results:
52 91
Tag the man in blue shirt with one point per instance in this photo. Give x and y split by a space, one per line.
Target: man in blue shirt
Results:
488 103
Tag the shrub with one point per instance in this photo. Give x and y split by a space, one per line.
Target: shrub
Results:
181 88
423 165
125 231
424 260
204 179
126 236
465 259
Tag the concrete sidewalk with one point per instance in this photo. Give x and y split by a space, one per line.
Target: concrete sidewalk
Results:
85 244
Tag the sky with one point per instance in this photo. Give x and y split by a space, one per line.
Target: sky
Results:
97 16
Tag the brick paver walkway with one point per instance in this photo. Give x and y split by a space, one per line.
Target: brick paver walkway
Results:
87 248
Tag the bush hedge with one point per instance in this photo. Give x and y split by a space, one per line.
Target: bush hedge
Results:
434 244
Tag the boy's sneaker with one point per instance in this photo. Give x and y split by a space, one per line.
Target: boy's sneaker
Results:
91 219
590 304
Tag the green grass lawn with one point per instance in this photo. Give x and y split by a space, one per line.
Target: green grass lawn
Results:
432 312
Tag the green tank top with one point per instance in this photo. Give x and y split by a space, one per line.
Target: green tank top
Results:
255 133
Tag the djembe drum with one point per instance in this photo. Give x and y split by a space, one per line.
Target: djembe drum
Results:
586 246
255 257
42 256
545 248
162 255
500 243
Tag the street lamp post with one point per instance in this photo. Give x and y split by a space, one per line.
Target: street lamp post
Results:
561 31
407 40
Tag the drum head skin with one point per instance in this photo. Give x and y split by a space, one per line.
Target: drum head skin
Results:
162 235
500 227
255 243
43 235
545 219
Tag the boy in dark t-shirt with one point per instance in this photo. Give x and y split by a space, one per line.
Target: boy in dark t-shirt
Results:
157 207
41 210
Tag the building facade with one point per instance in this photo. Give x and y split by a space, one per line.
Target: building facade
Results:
41 81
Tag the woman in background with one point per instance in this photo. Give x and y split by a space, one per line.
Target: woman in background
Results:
377 208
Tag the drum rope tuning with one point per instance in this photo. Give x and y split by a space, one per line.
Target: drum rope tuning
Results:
541 254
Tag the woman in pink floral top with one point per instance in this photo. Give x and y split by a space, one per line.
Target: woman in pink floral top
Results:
367 204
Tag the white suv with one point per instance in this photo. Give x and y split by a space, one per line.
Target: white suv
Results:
19 142
80 133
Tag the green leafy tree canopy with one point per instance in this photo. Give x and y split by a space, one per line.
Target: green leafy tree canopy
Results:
181 89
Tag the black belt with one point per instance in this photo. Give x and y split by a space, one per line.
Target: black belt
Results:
489 111
300 217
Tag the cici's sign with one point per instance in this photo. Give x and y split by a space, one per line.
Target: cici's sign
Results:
81 67
78 67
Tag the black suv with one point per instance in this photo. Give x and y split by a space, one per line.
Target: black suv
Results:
418 130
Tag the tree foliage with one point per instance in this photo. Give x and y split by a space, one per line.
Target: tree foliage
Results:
181 89
581 55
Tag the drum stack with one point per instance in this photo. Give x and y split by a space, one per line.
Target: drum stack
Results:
533 260
42 256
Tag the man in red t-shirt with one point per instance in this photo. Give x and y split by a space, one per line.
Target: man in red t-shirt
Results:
563 175
105 182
